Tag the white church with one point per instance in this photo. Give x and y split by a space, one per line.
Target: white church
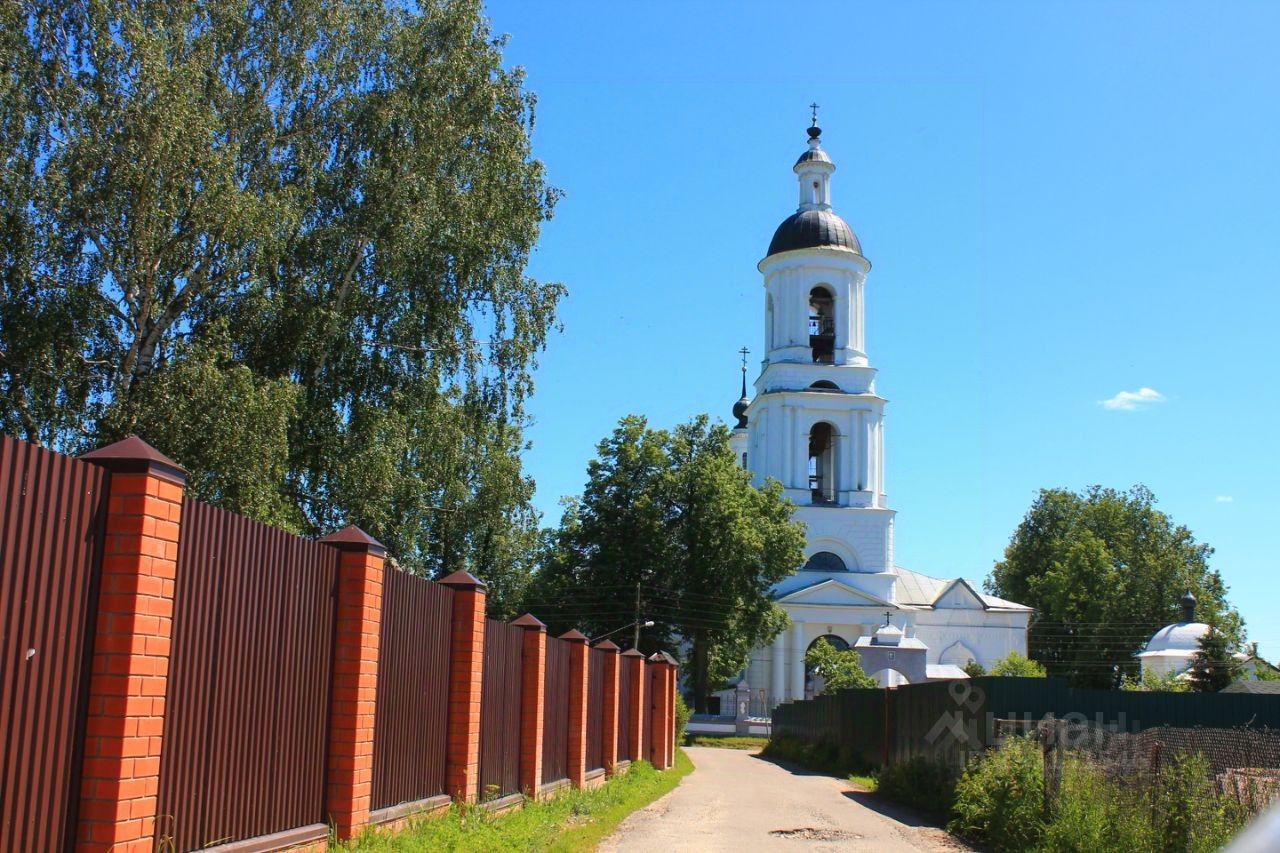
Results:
816 424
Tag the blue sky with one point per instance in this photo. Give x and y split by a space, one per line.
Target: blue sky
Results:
1061 202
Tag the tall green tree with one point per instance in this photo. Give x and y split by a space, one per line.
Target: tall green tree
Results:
302 226
1214 666
1104 570
670 529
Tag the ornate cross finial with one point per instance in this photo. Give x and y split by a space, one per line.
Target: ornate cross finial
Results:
886 618
814 107
744 352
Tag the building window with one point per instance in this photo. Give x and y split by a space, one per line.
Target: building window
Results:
825 561
744 460
822 463
824 385
822 325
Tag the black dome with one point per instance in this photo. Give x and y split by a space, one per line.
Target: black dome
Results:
811 229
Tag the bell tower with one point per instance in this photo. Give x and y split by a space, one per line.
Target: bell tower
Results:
816 423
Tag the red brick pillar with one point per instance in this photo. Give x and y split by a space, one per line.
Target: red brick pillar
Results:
130 670
661 719
578 674
610 726
533 671
639 696
349 792
673 679
466 668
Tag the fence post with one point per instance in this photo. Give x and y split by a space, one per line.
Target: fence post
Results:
635 737
673 685
533 671
610 726
663 718
466 672
130 670
578 687
349 793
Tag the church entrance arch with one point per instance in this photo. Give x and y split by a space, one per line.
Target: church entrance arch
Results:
813 683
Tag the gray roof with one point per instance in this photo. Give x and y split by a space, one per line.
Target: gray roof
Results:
813 154
810 229
1270 687
923 590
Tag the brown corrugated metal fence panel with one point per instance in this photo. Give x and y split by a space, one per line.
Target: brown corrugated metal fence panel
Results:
51 525
595 708
624 708
500 710
249 675
411 727
650 706
555 703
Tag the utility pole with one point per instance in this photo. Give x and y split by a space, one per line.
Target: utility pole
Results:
636 643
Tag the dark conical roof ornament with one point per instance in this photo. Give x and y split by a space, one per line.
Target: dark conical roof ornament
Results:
1188 607
740 407
814 130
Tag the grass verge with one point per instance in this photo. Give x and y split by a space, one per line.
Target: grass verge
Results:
573 821
727 741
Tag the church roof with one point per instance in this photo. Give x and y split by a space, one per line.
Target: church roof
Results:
811 229
922 590
1181 639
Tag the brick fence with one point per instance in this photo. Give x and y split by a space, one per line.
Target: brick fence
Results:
233 686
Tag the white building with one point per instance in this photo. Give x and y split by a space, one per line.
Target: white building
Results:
816 424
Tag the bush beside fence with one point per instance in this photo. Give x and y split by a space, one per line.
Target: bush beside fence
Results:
221 681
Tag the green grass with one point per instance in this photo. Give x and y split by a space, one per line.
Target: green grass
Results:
573 821
866 783
726 741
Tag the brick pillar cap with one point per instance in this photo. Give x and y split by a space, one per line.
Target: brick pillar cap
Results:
463 580
632 653
529 622
607 646
134 456
663 657
574 636
352 538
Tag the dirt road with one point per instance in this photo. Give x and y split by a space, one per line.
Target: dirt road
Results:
737 801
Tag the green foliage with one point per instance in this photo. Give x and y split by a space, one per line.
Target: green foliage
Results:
1014 664
1213 667
1168 683
822 756
838 669
1105 569
285 243
919 782
575 820
999 798
1265 671
672 519
683 713
973 669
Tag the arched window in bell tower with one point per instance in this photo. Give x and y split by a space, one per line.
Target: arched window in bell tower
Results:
771 340
822 463
822 325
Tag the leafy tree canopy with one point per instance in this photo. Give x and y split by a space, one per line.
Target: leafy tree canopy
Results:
973 669
670 529
838 668
1149 681
285 243
1105 569
1014 664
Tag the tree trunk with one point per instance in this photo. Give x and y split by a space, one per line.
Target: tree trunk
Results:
700 666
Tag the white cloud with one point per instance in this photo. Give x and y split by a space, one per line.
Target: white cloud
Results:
1223 499
1130 401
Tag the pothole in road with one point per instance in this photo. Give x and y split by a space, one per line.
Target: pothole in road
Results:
809 833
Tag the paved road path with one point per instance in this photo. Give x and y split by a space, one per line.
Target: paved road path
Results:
737 801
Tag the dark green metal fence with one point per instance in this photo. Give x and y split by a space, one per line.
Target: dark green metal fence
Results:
950 720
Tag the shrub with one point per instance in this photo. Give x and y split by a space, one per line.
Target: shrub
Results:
919 782
1015 664
999 800
816 755
1096 814
683 713
1187 811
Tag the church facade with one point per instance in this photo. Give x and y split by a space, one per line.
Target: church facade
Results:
816 424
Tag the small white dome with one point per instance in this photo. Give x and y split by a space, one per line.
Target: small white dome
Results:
1178 637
